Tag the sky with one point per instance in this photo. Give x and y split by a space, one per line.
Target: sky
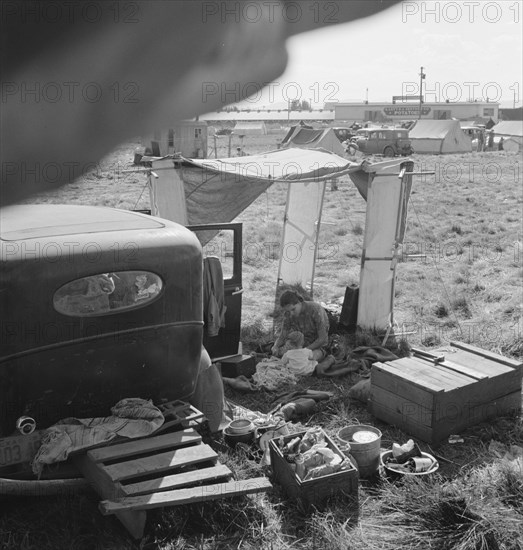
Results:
467 49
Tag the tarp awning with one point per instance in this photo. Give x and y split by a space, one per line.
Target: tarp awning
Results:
220 189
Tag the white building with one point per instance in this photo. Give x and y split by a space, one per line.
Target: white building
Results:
409 110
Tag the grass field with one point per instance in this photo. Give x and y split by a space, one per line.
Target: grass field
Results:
459 278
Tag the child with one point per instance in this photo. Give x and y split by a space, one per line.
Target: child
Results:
296 358
300 360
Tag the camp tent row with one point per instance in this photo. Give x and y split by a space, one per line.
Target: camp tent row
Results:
204 191
439 137
310 138
512 133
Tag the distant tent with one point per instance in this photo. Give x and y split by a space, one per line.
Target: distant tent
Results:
509 128
308 138
511 114
512 133
250 128
478 121
439 136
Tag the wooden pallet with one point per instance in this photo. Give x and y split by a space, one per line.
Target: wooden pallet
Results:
164 470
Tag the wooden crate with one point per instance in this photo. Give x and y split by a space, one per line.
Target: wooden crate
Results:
164 470
313 491
431 396
238 365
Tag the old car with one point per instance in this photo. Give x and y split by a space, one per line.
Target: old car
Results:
389 142
343 133
97 305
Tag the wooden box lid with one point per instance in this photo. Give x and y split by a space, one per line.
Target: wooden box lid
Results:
455 366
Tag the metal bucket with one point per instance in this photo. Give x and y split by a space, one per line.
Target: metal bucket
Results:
365 444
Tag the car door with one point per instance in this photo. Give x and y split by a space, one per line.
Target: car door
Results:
226 245
373 144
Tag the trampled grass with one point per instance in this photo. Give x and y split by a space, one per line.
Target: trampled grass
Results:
459 278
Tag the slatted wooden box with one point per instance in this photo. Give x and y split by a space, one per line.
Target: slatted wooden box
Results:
161 470
238 365
433 397
313 491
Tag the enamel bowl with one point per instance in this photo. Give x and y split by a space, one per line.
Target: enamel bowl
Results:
240 426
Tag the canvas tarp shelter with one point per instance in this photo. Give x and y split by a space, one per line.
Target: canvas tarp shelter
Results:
250 128
217 190
512 133
308 138
438 137
509 128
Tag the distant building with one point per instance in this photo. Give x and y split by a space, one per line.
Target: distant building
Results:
270 115
409 110
188 137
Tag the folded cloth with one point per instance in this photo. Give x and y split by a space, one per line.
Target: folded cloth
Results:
131 417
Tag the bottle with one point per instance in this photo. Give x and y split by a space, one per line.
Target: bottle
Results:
300 466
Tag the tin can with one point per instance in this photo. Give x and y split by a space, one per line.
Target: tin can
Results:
422 464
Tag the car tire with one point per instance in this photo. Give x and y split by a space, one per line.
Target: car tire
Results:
389 152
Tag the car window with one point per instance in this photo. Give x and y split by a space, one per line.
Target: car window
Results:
107 293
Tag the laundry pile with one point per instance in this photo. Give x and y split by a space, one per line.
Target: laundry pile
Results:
131 417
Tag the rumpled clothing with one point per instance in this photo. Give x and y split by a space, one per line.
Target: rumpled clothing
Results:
214 307
374 353
369 355
272 373
302 394
132 417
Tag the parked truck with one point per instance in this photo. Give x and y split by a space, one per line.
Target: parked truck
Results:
96 305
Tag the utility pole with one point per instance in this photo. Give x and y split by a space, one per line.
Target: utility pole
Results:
421 79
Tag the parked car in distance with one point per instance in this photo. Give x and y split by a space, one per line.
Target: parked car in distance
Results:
343 133
389 142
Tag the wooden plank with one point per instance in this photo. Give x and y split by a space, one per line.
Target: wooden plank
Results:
140 446
414 369
473 373
456 403
483 365
416 412
176 481
383 378
439 376
407 424
477 413
443 427
489 355
407 374
133 520
187 496
161 462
